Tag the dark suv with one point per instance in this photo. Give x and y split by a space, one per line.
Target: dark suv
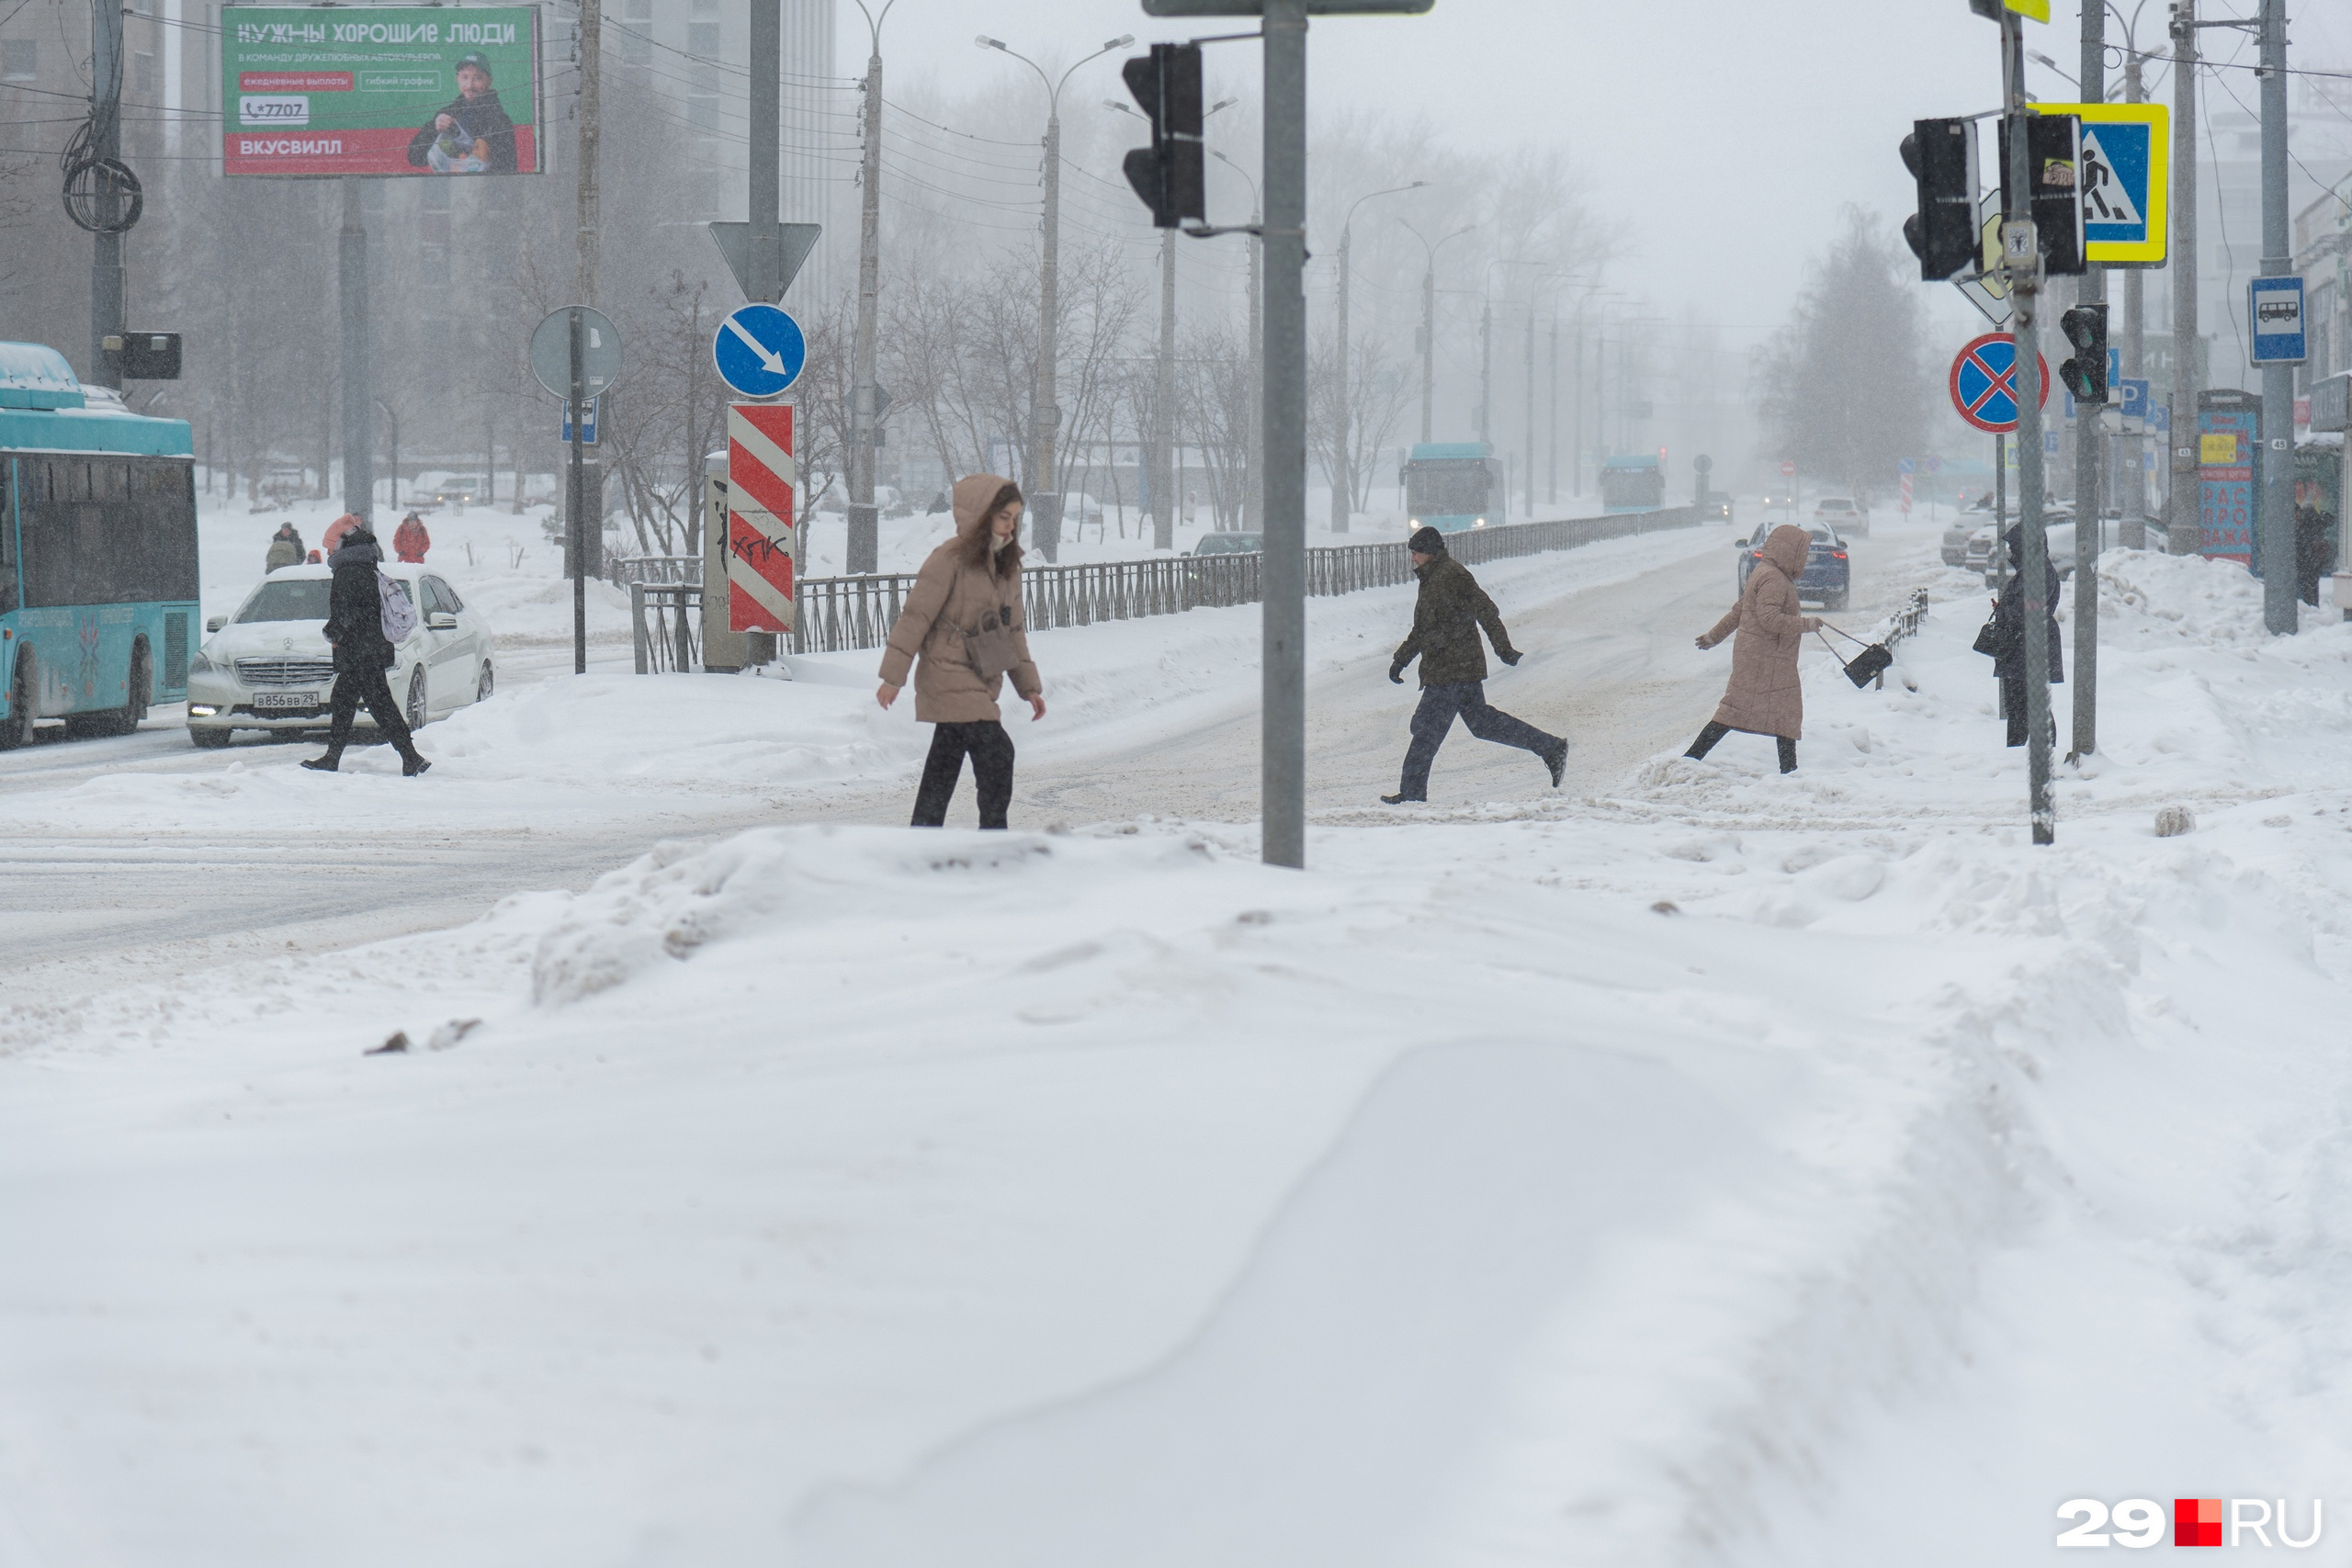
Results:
1828 578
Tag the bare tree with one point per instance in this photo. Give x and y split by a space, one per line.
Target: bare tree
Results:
1844 381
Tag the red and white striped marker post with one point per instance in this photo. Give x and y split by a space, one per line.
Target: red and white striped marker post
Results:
762 483
1906 495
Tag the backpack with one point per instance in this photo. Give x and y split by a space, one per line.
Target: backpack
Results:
398 613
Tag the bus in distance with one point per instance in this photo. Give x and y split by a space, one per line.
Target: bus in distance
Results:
98 552
1633 484
1452 485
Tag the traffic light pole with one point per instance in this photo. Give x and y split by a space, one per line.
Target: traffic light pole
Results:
2277 534
2025 288
2090 449
1283 754
2180 260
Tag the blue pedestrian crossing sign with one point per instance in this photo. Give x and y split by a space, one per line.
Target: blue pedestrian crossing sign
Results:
760 351
2126 179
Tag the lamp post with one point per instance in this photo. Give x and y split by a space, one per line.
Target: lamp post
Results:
1253 493
1429 313
1045 414
864 531
1343 467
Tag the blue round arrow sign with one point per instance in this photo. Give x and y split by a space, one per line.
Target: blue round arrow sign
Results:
759 351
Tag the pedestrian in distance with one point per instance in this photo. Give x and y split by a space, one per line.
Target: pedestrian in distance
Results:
410 541
962 632
285 549
2008 636
362 652
1765 695
1447 614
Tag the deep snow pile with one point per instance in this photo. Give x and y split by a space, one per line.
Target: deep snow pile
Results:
1734 1170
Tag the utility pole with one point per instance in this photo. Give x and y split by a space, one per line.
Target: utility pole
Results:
1486 370
2024 287
1429 314
105 141
1283 743
2132 535
1167 475
1343 465
2090 443
865 532
1529 389
2180 510
1551 480
1044 407
1575 414
764 124
358 387
588 478
2277 502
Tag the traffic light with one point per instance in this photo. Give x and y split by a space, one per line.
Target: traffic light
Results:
1942 156
2086 374
2053 154
1169 174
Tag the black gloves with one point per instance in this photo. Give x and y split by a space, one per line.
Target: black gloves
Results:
1509 656
1396 674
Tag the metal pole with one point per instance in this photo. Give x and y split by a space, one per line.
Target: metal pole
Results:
577 522
1045 504
1343 480
1254 496
1486 371
1282 746
2025 292
766 118
2090 446
359 395
1552 479
2132 534
1576 420
2275 519
105 141
2180 510
1530 390
1429 344
592 32
1168 478
865 533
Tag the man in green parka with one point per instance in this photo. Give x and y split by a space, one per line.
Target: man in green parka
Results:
1446 618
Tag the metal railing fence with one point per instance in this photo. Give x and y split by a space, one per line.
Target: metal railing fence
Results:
665 626
839 613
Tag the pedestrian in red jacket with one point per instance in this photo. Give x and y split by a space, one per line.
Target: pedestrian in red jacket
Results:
410 541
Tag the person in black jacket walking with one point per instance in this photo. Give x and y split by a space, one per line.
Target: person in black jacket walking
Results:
2008 636
362 653
1446 618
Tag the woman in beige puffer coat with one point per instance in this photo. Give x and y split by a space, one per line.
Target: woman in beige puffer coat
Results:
1765 698
966 584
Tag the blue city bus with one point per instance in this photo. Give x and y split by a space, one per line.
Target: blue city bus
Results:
1633 484
98 552
1452 485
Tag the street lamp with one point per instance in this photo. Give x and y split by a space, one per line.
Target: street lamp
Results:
1343 467
1429 313
1045 417
1253 493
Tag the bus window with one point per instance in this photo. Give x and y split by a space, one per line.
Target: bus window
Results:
1450 491
108 530
7 535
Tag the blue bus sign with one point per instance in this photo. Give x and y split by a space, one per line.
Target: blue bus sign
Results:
760 351
2275 305
587 427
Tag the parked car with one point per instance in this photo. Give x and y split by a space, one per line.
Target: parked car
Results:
1844 515
1715 506
1963 527
1829 577
268 666
2058 527
1229 544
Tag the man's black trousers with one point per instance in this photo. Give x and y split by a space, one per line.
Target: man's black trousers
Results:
353 687
1441 704
992 752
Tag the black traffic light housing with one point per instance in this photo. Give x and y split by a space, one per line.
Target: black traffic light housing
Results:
1171 175
1942 156
2053 156
2086 374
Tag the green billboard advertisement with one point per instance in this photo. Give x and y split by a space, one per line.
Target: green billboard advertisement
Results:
310 90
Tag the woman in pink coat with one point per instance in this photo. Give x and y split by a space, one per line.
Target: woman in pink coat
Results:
1765 696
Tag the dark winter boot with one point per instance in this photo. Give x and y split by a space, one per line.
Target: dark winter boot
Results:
1707 738
1788 754
1556 758
1403 799
414 763
325 764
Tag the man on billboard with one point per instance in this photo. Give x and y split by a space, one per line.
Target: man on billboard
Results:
472 134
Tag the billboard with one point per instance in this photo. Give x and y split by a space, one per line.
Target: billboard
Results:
322 90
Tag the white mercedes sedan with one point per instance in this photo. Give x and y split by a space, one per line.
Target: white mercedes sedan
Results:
268 666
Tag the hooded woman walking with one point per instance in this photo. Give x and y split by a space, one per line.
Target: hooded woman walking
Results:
1765 698
2008 634
362 653
963 631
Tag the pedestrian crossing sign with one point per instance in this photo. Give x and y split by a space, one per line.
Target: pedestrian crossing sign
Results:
2126 173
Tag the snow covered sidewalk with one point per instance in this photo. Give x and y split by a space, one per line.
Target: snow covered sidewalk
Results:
1726 1169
